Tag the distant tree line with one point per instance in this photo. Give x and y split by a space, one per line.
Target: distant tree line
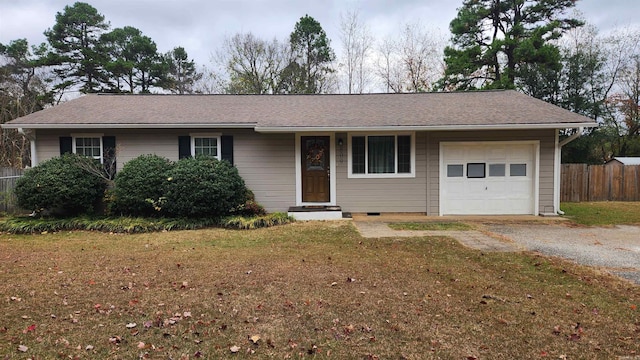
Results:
537 47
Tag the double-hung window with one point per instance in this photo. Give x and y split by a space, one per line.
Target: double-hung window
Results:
89 145
206 144
382 155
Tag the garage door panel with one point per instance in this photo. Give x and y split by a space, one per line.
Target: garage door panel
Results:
500 192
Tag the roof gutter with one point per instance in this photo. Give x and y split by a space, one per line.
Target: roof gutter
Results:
129 126
289 129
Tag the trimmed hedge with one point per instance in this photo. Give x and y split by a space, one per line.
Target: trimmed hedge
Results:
139 185
202 187
59 187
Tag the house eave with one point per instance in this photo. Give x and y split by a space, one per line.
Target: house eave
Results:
294 129
131 126
290 129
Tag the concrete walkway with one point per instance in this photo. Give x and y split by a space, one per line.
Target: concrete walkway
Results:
471 238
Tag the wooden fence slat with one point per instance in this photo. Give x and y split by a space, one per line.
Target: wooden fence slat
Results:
581 182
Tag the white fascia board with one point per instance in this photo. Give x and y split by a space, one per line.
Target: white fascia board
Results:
288 129
129 126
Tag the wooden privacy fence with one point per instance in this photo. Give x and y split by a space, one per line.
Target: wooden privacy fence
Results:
8 178
581 182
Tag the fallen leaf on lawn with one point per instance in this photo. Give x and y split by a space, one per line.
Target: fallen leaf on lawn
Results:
131 325
22 348
142 345
556 330
254 339
334 283
187 314
234 349
29 329
14 298
89 347
148 324
349 329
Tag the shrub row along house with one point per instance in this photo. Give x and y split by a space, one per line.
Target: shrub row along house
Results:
483 152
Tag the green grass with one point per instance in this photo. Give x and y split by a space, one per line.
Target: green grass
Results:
430 226
308 290
603 213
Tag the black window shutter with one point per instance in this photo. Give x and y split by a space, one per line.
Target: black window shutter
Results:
227 148
66 145
184 147
109 155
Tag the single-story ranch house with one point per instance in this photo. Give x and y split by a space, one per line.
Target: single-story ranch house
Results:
456 153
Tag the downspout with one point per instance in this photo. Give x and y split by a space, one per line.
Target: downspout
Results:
558 154
32 145
572 137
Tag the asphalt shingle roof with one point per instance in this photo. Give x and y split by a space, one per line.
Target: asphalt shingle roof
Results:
423 110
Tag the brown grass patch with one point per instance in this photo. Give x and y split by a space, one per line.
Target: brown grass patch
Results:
307 290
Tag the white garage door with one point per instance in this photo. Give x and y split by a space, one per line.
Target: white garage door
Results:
487 178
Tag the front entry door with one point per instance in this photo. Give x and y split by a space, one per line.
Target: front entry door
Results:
315 169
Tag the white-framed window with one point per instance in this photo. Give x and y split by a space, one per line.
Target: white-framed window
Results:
382 155
89 145
206 144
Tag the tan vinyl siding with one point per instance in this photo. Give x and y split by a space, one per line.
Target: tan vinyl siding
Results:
129 143
267 164
265 161
383 195
48 144
546 171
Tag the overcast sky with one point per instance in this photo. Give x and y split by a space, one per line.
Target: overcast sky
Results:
200 26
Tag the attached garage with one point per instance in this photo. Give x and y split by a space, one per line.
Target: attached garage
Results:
489 178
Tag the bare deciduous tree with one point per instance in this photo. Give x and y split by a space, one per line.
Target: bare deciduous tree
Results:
252 64
356 44
412 61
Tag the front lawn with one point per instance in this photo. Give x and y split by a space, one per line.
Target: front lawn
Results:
603 213
304 290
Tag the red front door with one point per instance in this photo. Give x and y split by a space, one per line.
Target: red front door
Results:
315 169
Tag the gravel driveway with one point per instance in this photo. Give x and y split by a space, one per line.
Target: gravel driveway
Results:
617 249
